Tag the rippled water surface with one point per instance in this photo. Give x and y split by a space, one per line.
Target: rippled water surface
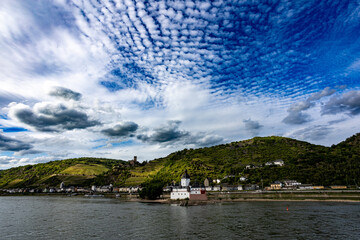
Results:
81 218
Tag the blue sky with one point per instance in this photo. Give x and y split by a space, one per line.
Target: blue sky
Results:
122 78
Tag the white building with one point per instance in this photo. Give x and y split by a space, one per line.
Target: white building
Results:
291 183
182 192
279 162
185 191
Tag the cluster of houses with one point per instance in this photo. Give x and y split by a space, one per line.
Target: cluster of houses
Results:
71 189
198 191
295 185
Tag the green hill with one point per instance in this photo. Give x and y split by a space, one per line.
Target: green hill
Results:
80 171
305 162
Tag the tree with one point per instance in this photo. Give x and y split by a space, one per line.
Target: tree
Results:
151 190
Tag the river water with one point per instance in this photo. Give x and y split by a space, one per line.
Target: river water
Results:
58 217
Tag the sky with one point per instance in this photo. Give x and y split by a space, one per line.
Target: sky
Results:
124 78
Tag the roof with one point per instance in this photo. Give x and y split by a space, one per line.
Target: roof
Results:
185 175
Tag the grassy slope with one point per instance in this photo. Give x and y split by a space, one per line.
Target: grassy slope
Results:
85 169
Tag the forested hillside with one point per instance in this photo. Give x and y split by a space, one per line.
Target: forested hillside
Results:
304 162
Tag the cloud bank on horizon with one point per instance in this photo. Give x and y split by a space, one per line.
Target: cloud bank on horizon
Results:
122 78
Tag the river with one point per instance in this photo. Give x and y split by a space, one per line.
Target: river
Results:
60 217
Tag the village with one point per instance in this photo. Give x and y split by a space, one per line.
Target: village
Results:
184 190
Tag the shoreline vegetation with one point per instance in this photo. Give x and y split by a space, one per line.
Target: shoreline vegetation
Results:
348 196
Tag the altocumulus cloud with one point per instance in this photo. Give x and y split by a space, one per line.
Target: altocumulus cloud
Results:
65 93
124 129
51 117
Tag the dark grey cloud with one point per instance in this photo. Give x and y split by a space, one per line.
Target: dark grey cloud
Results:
56 117
121 130
171 134
315 133
10 144
65 93
203 139
324 93
295 111
346 103
27 152
165 134
297 118
252 126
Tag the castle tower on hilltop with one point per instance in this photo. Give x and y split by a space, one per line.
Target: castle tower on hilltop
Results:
134 161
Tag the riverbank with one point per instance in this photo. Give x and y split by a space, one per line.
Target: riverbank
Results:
223 197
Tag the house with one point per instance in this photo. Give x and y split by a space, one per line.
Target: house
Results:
251 187
305 187
291 183
269 163
279 162
276 185
217 188
243 179
338 187
209 188
198 193
240 188
134 189
226 187
167 189
318 187
249 166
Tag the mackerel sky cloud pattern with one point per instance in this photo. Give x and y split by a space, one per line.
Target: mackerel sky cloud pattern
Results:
107 78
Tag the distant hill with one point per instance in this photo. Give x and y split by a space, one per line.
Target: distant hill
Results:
305 162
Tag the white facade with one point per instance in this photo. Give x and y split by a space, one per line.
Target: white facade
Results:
279 162
185 182
180 193
196 190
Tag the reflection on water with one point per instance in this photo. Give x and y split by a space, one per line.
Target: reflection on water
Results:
81 218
